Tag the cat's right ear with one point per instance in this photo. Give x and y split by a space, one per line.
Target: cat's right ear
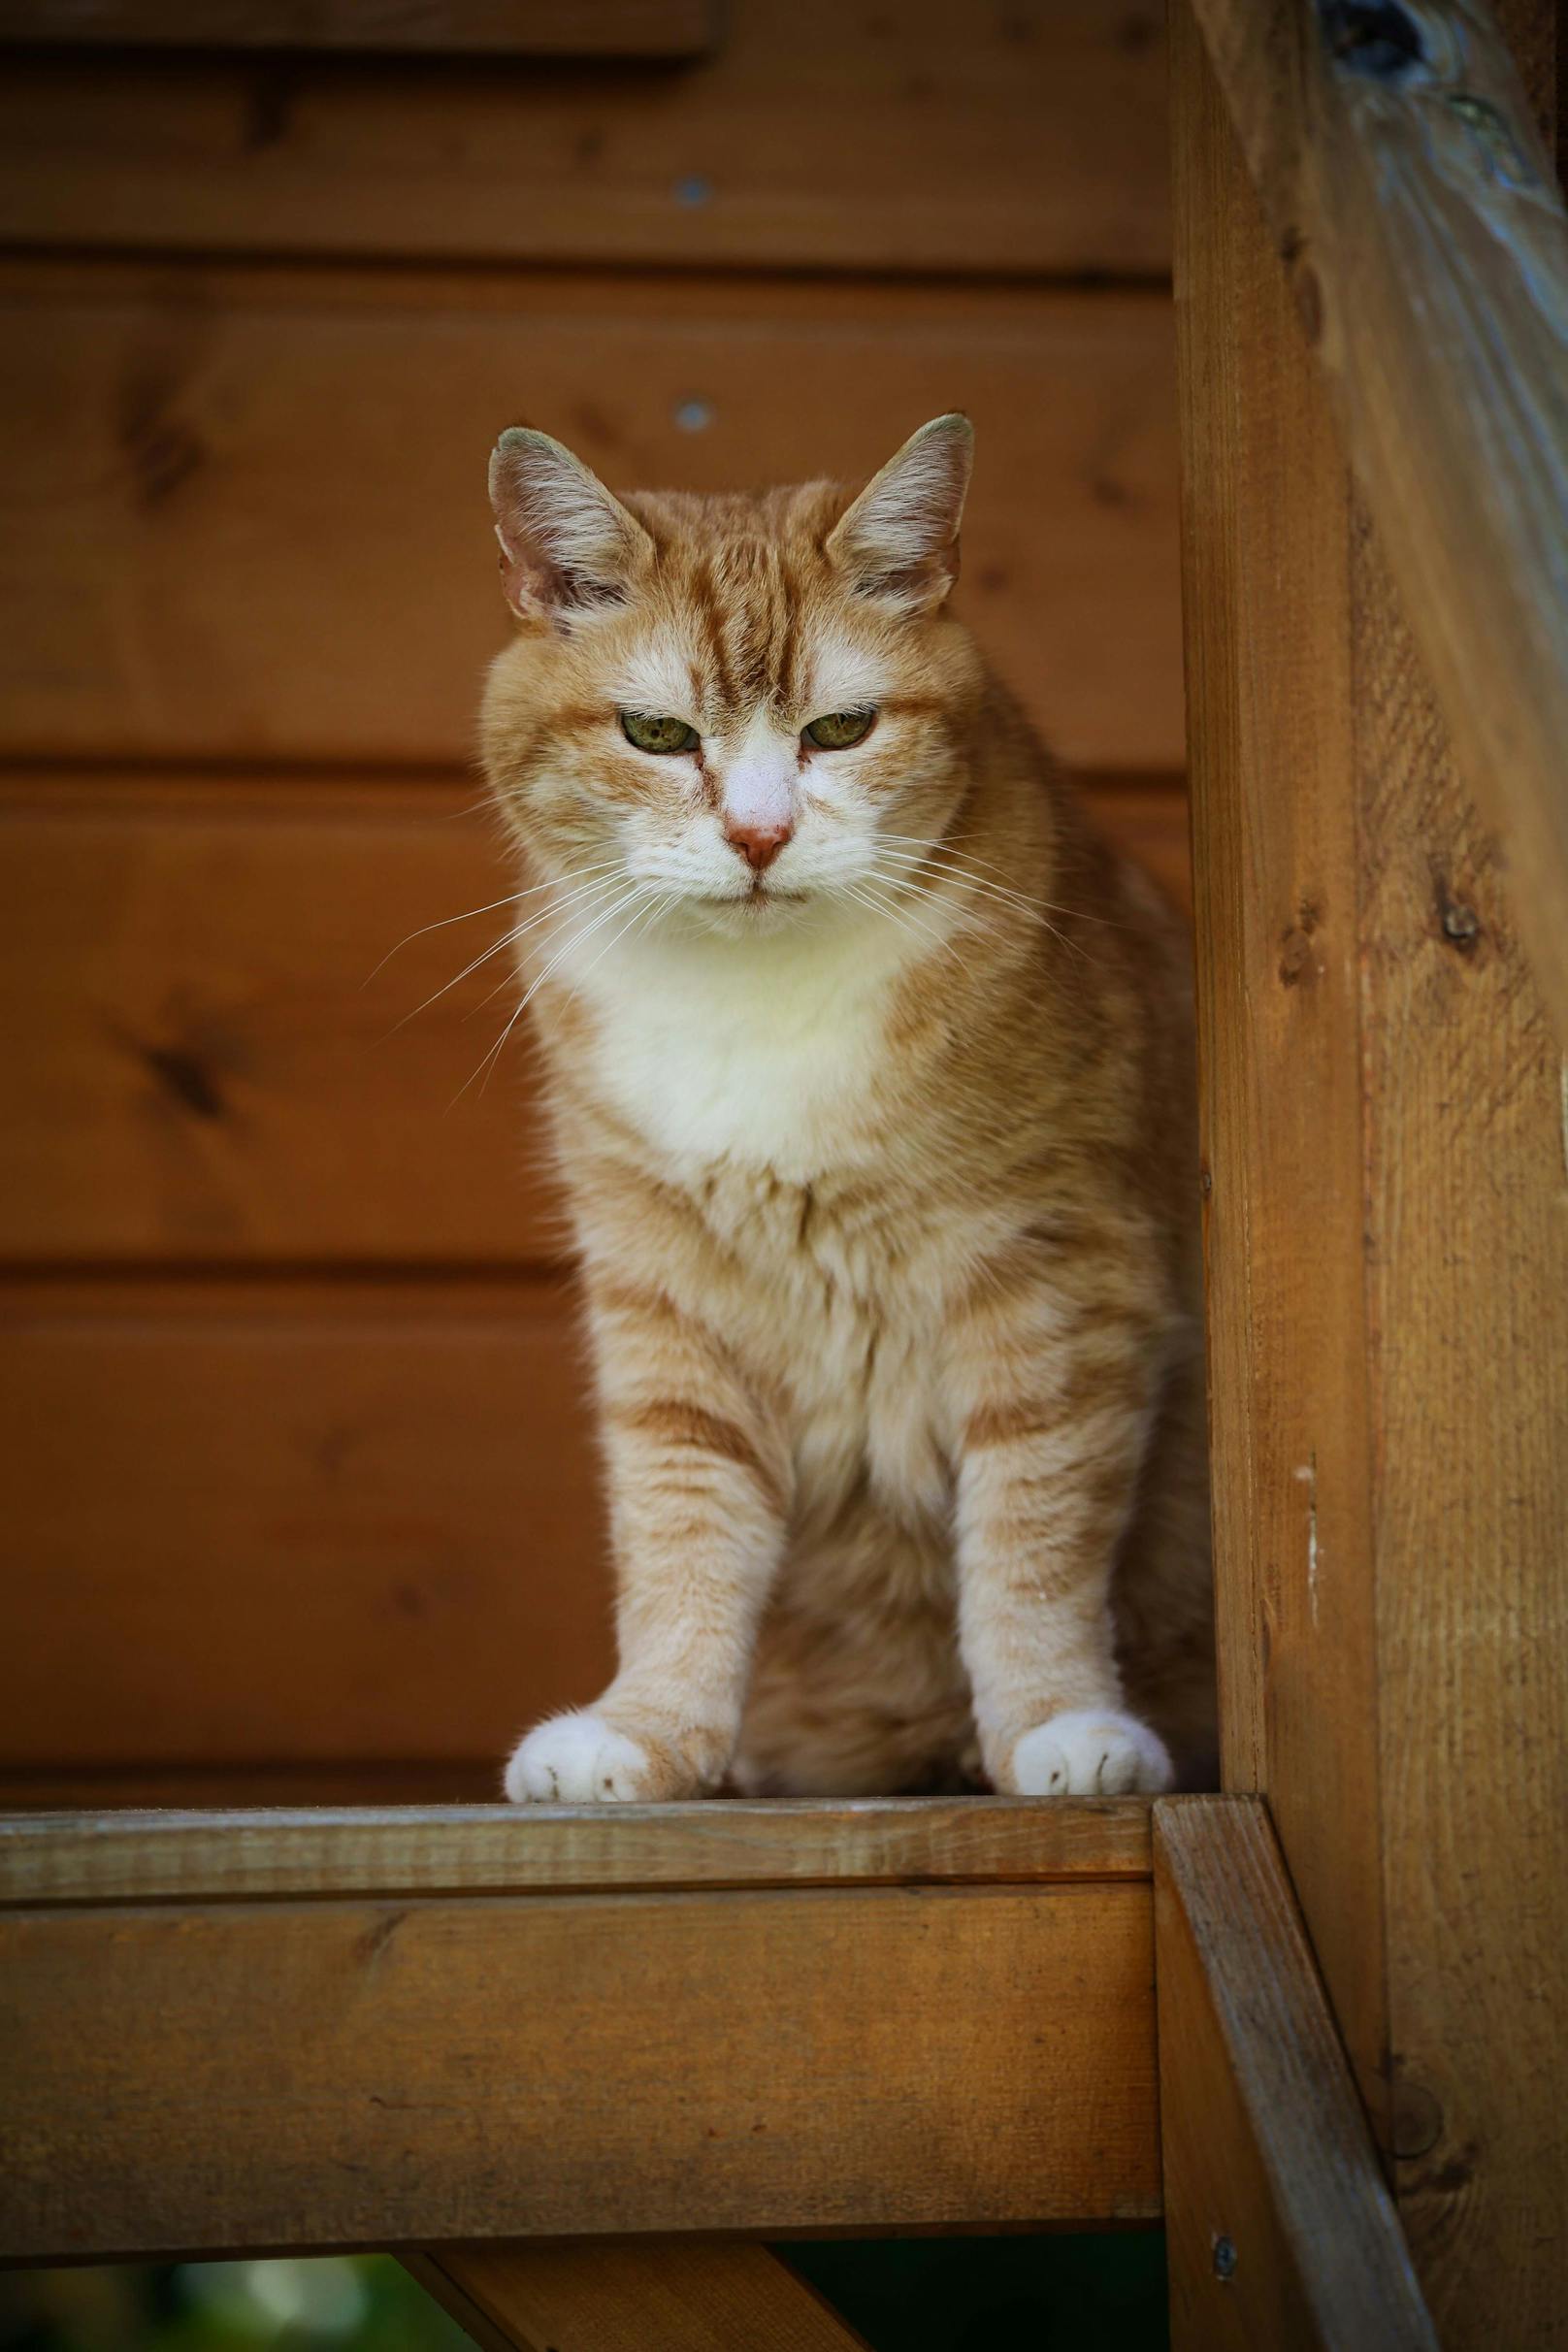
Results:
567 545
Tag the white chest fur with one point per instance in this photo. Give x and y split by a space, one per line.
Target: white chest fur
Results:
761 1052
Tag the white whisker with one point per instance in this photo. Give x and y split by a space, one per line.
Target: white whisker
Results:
1011 898
508 938
584 930
928 850
470 914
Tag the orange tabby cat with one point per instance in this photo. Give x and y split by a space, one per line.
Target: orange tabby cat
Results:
869 1067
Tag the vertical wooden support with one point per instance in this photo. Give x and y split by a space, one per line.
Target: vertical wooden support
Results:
1386 1233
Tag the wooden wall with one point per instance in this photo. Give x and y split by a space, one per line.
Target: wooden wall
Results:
299 1474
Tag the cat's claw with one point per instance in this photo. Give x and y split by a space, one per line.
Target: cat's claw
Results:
1090 1751
580 1759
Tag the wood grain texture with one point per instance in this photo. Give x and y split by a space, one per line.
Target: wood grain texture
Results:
1279 944
805 138
246 515
1406 184
225 1065
233 1056
515 28
624 2298
236 1787
310 2073
294 1520
128 1857
1404 1273
1280 2228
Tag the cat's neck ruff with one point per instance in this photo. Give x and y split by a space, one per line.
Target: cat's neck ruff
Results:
765 1051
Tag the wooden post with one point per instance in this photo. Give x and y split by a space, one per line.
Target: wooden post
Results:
1387 1234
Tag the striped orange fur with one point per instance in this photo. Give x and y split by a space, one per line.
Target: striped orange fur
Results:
871 1075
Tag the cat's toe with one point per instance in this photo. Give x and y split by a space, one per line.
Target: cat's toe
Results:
1090 1751
578 1759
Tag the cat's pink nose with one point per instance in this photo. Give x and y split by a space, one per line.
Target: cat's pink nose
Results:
758 844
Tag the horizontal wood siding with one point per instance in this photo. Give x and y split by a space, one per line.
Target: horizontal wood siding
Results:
246 512
230 1059
874 137
296 1447
294 1520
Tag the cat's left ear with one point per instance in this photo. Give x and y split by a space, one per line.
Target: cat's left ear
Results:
899 539
567 544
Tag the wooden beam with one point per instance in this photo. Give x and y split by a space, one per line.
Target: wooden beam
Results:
1280 2228
474 1849
1412 202
309 2066
681 2297
1050 125
1388 1257
501 28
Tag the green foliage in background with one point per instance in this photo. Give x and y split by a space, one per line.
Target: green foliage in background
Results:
361 2302
922 2295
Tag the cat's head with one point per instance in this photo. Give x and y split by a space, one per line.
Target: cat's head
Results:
748 705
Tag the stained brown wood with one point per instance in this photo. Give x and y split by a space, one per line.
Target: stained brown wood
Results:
328 1522
1267 551
1389 1268
810 136
1279 2226
224 1064
517 28
625 2297
227 1059
308 2074
227 1788
129 1857
1403 177
246 512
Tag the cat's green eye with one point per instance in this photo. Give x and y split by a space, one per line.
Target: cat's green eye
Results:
650 731
839 730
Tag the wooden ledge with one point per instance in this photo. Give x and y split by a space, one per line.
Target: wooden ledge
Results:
226 2032
104 1857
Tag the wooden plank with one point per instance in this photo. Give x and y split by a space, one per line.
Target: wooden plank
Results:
228 1787
1403 178
1279 2226
227 1063
319 1522
172 443
129 1857
622 2298
223 1064
296 2074
1383 1107
1049 122
1267 526
514 28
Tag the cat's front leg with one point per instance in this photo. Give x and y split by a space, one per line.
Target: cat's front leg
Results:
1055 1397
698 1484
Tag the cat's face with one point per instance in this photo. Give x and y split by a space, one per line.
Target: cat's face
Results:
749 711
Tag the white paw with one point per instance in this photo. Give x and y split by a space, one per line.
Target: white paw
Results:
1090 1751
578 1759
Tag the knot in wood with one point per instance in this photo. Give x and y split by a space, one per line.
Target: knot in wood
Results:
1377 38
